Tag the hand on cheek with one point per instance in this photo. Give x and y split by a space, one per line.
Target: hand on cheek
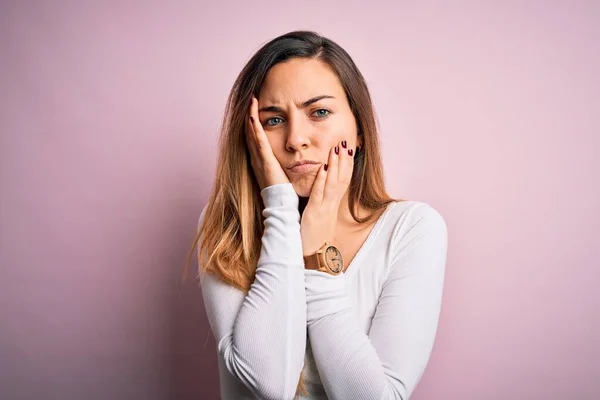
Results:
267 169
320 215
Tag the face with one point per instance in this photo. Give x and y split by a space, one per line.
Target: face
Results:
304 112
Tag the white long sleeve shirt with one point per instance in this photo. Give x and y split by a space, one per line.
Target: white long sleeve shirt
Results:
365 334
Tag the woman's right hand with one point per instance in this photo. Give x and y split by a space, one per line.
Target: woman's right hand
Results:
266 168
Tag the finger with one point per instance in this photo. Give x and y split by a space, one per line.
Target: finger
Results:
316 193
251 139
346 165
332 173
252 120
250 134
251 143
262 142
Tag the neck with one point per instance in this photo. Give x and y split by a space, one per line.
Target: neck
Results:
345 218
303 201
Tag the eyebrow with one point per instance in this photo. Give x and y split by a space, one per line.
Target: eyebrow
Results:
304 105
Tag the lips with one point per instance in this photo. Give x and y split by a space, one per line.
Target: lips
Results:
304 166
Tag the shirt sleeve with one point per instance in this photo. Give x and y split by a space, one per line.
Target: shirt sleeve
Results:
261 335
389 361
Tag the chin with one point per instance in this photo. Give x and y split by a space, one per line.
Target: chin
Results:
303 187
302 190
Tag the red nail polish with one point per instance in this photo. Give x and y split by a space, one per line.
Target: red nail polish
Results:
344 144
337 150
325 167
350 152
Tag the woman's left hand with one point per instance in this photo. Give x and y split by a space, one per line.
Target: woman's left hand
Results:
321 213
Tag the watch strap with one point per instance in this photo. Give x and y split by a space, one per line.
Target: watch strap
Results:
312 261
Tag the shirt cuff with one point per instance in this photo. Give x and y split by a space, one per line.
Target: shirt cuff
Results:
281 194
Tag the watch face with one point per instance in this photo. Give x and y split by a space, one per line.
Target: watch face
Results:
333 258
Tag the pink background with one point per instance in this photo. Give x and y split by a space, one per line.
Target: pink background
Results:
489 111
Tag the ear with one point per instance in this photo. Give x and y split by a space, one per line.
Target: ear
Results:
360 140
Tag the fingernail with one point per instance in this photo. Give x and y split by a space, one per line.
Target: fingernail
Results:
251 119
350 152
325 167
337 150
344 144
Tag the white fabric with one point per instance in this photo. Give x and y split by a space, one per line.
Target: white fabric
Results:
365 334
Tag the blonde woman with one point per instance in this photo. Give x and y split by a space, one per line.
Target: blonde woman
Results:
317 284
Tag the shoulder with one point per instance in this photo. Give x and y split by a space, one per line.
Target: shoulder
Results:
411 221
411 213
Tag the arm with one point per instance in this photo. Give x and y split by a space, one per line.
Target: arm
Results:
261 335
389 362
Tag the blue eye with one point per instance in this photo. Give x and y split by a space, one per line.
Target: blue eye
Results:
271 119
320 114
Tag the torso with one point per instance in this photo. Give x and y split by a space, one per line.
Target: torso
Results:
370 246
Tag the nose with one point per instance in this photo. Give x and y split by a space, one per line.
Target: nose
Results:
298 134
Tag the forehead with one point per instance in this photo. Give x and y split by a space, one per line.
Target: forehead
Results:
300 79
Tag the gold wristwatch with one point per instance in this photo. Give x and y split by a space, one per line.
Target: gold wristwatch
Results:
327 259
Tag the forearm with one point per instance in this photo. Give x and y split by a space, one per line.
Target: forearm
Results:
267 345
347 362
388 361
261 335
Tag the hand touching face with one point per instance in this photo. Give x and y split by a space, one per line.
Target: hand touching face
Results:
305 114
319 219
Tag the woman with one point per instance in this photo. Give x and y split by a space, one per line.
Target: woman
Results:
316 283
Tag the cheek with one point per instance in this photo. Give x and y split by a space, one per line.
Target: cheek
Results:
336 133
341 128
277 146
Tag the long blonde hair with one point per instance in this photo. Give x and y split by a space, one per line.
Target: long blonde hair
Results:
233 224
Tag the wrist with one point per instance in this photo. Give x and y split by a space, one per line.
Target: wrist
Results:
315 235
327 258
